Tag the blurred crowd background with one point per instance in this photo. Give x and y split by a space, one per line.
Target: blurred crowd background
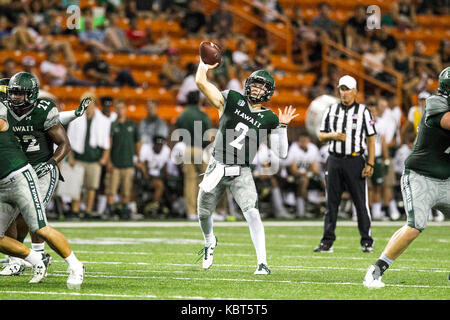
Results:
138 59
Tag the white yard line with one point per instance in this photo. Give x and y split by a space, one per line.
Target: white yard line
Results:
266 280
289 268
106 295
182 224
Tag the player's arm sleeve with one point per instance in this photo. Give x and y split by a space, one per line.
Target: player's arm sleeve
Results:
52 118
278 139
3 112
225 97
436 107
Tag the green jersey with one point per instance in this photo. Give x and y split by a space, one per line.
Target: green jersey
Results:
30 129
12 157
124 138
241 130
431 153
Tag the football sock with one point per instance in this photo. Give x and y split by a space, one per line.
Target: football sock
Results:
34 257
383 263
72 260
300 204
257 234
38 247
277 199
393 207
376 210
206 224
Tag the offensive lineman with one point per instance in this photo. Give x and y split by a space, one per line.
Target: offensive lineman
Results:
36 125
243 123
425 181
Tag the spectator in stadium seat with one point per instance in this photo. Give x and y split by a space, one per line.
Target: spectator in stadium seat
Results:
439 7
403 13
355 27
386 40
115 37
5 32
89 139
274 7
24 37
196 122
237 82
9 68
142 41
401 60
152 125
188 84
261 60
172 73
29 64
376 55
431 63
194 20
220 22
443 53
57 74
325 25
100 72
125 143
241 54
91 37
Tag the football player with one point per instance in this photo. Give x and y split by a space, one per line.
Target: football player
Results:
19 188
35 123
244 124
425 181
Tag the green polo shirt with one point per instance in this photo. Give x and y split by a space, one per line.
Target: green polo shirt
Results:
188 118
124 138
90 154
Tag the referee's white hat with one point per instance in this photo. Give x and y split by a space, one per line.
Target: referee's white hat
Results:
347 81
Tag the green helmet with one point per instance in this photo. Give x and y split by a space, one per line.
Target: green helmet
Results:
22 91
444 81
3 84
260 76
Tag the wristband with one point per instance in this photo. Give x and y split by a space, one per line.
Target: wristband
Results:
52 162
370 165
203 65
282 125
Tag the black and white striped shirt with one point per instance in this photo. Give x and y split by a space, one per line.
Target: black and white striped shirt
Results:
355 121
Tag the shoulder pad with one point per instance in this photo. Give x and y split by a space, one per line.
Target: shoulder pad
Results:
436 104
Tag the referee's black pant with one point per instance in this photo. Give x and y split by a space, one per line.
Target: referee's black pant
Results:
343 172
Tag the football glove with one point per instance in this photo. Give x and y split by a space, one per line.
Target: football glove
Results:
43 168
83 106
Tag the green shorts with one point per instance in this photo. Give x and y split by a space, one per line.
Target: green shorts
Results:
421 194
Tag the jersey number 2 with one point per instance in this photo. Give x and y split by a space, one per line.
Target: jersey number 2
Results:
33 145
236 143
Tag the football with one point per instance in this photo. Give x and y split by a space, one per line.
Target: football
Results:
210 53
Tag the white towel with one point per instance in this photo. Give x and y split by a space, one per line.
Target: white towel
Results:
213 177
99 136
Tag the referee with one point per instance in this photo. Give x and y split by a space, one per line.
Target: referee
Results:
349 127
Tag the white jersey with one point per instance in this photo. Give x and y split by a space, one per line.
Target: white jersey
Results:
264 157
155 161
303 158
176 158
